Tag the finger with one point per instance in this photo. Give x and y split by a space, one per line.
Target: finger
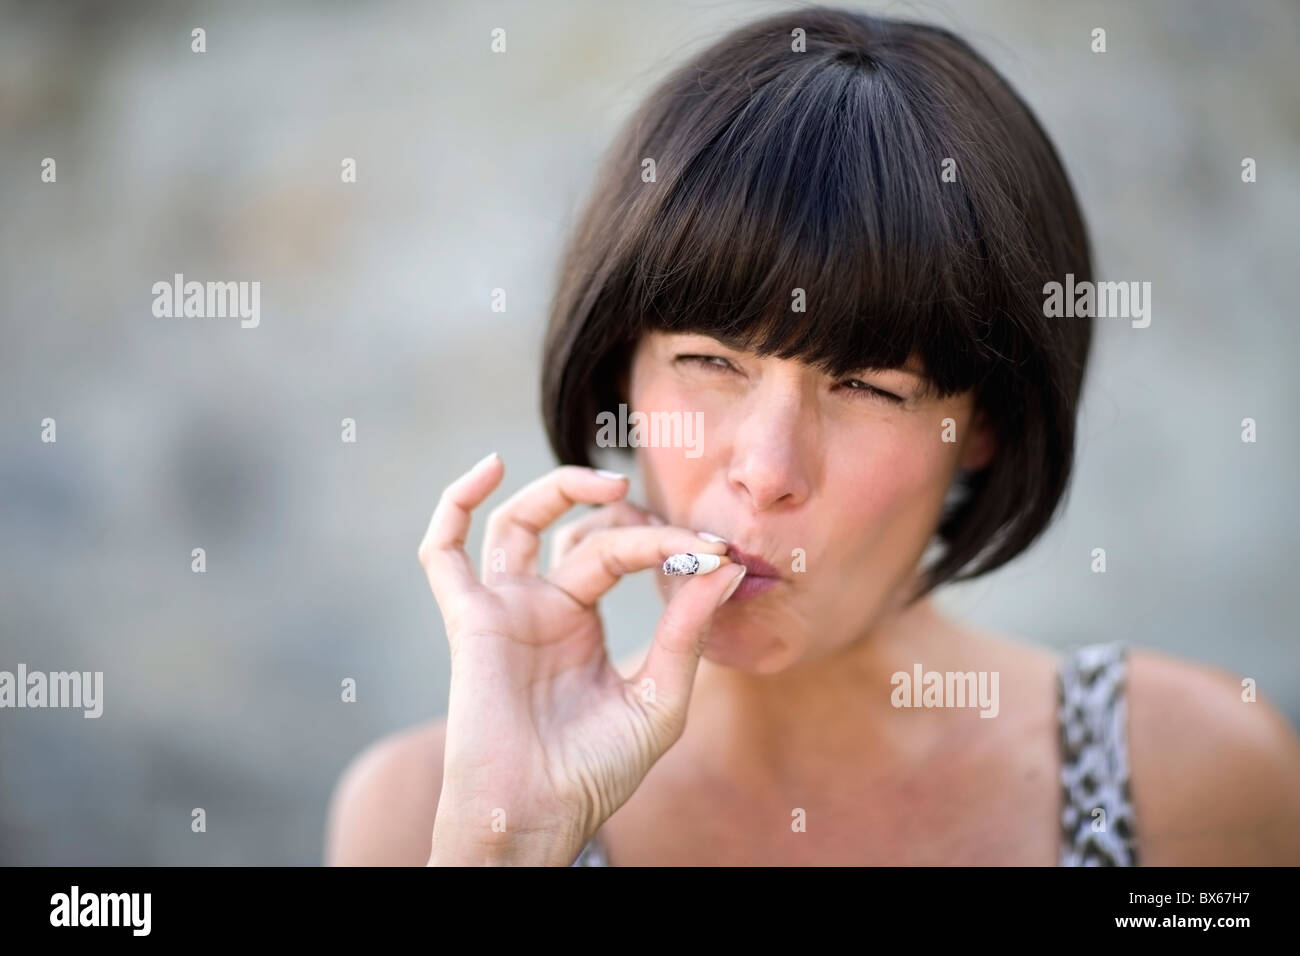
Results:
515 527
607 554
666 677
442 551
618 514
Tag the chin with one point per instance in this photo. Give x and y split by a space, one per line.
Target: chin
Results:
748 649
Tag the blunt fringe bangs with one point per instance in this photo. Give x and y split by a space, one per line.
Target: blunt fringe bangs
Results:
895 178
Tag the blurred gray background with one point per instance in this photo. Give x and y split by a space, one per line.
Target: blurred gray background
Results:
222 689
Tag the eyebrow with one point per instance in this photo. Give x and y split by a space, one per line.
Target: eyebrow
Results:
730 341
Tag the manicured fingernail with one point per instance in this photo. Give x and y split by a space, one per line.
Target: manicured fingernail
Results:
688 562
711 537
731 588
612 475
486 458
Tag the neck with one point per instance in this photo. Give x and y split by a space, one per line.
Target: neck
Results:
807 722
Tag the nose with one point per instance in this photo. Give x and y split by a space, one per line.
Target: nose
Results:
771 449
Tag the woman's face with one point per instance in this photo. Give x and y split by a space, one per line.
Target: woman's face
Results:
838 484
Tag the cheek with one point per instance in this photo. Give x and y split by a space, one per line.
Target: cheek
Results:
675 474
670 481
891 475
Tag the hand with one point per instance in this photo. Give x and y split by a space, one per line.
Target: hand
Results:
545 740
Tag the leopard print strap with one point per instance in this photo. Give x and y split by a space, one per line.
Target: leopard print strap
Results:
1097 825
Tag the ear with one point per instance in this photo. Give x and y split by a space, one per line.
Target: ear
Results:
981 444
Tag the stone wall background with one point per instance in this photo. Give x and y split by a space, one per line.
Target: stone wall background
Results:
222 689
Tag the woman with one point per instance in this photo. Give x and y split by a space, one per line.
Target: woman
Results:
825 240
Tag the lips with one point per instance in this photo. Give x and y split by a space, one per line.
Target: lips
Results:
755 566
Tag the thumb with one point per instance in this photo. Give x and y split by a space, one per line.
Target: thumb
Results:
679 641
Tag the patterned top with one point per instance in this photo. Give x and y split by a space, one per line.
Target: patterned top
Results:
1097 826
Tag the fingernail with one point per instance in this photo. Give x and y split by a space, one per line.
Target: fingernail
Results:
612 475
731 588
486 458
688 562
707 536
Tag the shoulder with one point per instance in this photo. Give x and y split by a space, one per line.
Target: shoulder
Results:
1215 775
382 809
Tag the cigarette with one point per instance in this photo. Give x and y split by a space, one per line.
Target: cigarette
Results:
688 562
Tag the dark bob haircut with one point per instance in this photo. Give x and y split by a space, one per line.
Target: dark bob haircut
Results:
824 169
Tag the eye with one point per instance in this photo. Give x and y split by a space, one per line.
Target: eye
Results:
713 362
871 391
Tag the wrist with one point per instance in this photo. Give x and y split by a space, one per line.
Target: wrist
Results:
485 840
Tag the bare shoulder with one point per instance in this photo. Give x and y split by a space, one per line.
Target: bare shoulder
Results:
1215 774
383 806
